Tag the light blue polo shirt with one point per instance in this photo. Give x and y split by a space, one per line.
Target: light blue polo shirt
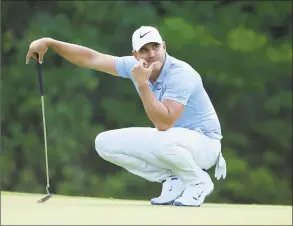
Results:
178 81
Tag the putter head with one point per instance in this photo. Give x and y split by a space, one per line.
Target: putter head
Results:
45 198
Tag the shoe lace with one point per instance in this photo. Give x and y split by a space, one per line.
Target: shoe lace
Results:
194 190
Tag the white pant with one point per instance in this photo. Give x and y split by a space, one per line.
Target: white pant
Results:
156 155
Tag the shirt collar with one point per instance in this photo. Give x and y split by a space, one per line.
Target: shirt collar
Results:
165 68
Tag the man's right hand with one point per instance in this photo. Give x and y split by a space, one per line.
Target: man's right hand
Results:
37 50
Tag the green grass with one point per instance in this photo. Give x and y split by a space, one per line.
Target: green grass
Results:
23 209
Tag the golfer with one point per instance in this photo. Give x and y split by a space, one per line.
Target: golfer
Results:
185 139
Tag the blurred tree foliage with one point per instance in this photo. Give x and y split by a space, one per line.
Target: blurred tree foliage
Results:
242 50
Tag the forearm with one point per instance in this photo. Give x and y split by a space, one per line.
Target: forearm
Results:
156 111
75 54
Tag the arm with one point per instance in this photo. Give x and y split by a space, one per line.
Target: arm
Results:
179 87
75 54
84 57
163 114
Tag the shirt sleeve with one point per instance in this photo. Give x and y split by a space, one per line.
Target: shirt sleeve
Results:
181 84
124 66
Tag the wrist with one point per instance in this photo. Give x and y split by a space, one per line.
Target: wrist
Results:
49 41
143 85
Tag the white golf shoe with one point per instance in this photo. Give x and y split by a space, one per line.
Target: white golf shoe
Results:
172 188
194 195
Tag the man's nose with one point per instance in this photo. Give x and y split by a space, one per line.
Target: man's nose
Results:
151 53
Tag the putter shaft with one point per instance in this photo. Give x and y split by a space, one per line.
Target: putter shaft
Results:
45 139
48 196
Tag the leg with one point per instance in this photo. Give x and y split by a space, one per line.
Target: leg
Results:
156 155
128 148
188 153
205 152
136 150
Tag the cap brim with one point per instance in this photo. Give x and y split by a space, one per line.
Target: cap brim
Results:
146 42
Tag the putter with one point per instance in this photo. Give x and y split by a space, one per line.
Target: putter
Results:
40 74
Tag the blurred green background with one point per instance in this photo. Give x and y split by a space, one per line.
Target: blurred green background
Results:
242 50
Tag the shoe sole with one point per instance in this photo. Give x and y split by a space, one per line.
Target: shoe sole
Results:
181 204
162 204
166 203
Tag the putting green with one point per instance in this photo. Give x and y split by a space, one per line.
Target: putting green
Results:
23 209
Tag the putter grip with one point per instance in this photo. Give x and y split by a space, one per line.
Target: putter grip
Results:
40 75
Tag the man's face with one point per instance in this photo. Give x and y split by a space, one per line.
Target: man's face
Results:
152 52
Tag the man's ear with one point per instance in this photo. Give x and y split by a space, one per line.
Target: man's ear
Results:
134 53
164 45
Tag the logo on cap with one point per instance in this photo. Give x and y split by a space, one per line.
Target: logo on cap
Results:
141 36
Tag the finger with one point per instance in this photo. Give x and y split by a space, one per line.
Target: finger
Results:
143 62
139 64
152 66
35 56
28 56
40 58
134 68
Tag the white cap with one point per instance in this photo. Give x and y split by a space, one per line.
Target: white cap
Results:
144 35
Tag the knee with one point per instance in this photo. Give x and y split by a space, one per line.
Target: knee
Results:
102 142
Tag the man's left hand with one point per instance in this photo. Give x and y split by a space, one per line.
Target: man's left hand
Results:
141 73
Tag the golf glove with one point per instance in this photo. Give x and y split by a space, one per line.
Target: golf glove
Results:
221 168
